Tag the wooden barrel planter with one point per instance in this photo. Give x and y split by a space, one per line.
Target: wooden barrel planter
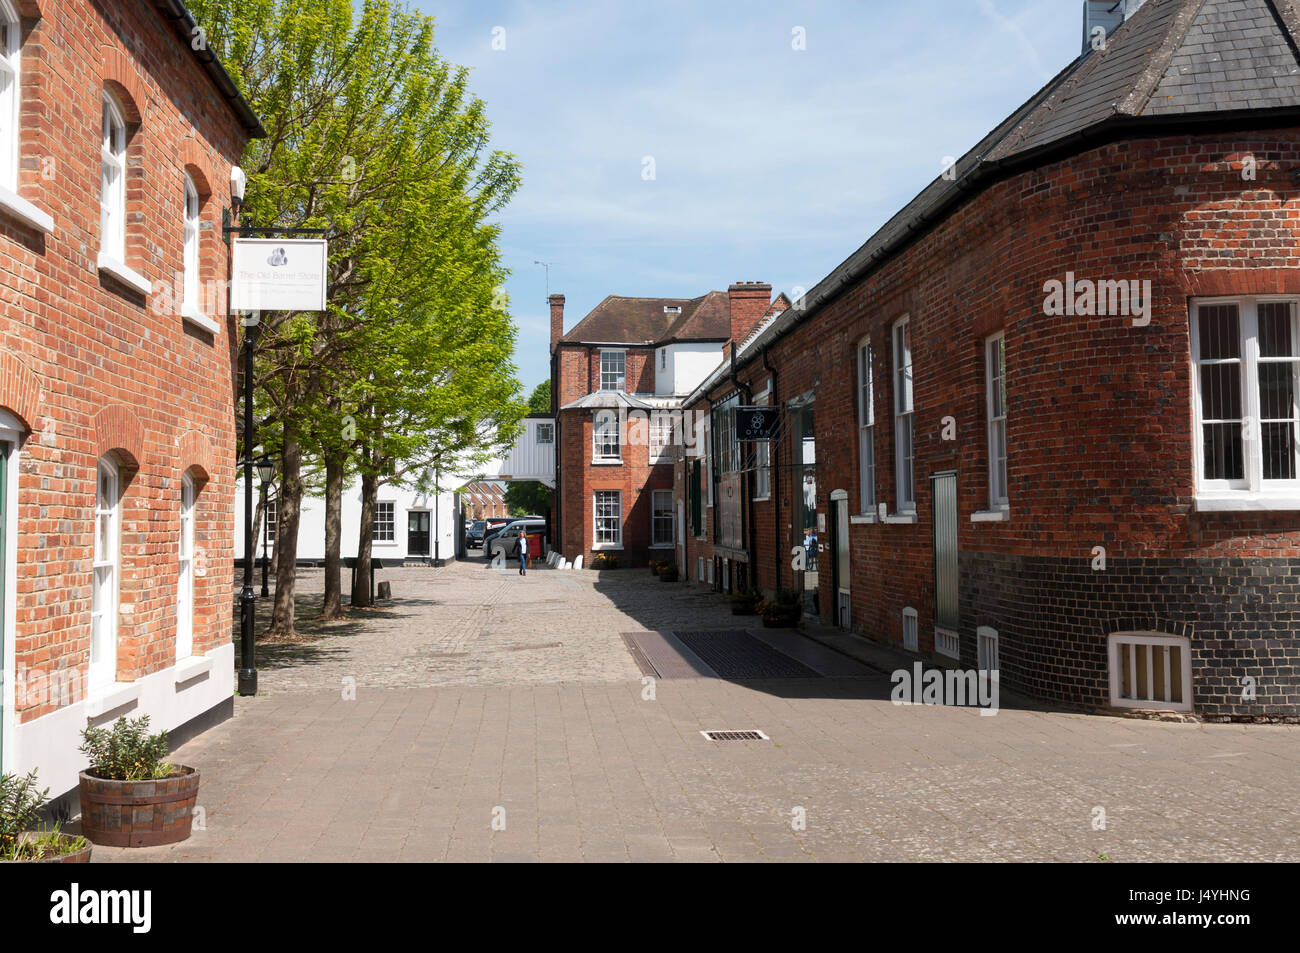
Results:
782 620
138 813
668 575
77 857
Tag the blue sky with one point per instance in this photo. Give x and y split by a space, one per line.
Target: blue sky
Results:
770 163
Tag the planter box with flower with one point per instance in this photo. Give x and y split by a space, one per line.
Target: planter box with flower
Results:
131 795
20 839
782 611
667 572
605 561
744 601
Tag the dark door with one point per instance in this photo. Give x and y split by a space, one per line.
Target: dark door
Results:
417 533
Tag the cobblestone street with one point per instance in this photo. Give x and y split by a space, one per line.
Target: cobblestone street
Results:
485 697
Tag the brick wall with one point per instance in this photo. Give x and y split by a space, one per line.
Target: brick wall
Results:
1100 422
94 367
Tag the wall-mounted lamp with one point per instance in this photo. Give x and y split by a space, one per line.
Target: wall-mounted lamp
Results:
238 180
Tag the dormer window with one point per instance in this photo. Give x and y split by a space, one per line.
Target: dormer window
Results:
672 309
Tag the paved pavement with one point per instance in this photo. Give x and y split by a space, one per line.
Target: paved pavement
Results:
503 718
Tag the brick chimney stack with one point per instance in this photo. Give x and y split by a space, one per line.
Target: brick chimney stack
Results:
749 302
557 320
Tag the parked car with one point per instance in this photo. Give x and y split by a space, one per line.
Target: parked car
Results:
492 532
474 534
492 526
507 540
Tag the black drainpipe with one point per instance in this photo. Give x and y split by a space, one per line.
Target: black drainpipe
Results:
773 446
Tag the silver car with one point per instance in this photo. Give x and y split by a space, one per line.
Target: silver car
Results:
507 541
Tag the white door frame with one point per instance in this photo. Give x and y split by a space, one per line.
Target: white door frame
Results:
11 432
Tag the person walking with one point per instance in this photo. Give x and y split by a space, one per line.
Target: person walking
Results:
523 551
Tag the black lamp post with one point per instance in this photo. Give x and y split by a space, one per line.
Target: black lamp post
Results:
247 598
265 470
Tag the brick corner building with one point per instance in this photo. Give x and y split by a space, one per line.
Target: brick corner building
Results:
117 437
1046 421
618 379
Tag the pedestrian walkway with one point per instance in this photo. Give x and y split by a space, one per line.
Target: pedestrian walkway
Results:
467 741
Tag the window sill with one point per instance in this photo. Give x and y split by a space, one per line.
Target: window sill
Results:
1245 502
991 516
129 277
192 667
606 463
859 519
27 213
200 320
761 499
662 546
901 518
607 548
109 697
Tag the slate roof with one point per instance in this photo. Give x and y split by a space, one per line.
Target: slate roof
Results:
1172 60
620 320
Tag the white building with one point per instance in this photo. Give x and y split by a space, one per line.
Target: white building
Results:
410 525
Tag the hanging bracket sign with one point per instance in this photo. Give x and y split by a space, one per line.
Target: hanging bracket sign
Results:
278 274
757 423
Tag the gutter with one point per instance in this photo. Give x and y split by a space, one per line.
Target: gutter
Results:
184 25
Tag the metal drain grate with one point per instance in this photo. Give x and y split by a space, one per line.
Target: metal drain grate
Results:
754 735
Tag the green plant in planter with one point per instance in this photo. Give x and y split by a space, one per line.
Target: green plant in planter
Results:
20 811
605 561
126 752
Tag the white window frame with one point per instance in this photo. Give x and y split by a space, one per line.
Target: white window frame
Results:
270 517
1149 642
11 84
112 198
660 436
866 430
763 453
390 522
193 216
600 425
185 573
106 573
904 416
616 378
911 630
656 520
999 495
1252 492
986 648
549 430
617 541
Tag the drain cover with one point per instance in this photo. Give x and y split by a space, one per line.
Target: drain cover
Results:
746 735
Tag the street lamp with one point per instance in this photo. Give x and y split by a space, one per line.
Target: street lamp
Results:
265 470
247 598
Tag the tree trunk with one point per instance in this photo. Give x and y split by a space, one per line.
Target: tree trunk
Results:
361 584
333 607
286 536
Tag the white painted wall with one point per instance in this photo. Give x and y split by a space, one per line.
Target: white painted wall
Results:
529 459
442 510
170 698
686 367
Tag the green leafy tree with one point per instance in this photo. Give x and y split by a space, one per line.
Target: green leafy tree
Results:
372 135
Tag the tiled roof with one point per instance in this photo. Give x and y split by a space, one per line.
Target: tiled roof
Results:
1171 60
619 320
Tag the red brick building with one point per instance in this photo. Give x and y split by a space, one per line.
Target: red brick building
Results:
618 378
1047 420
118 134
